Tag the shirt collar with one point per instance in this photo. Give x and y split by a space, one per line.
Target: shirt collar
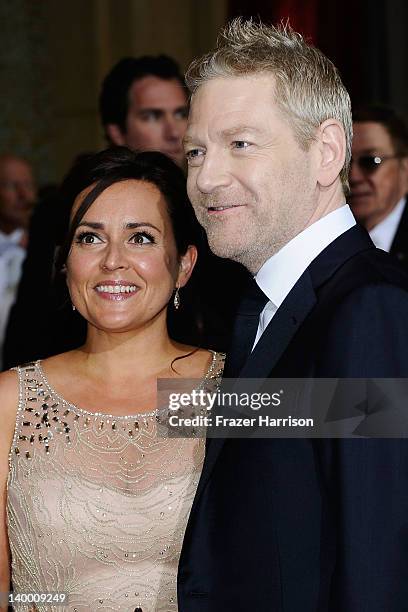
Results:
383 234
13 238
280 272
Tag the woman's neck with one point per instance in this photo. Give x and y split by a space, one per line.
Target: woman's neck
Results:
112 355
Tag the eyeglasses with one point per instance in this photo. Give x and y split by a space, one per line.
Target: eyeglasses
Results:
370 163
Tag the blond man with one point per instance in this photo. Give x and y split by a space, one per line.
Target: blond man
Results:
281 524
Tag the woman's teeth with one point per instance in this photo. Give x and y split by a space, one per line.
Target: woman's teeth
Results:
116 288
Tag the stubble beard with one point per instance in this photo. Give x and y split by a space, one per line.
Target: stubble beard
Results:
263 239
266 231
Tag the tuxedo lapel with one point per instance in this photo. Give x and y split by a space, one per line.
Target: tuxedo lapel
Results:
245 328
281 329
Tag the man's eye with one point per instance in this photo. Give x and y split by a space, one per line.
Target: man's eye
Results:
240 144
181 113
87 238
194 155
151 115
142 238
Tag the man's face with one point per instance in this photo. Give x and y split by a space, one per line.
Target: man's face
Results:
157 117
375 194
17 194
252 186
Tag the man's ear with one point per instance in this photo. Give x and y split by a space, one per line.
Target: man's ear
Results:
187 263
115 134
332 145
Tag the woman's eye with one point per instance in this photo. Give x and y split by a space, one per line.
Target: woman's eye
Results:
87 238
143 238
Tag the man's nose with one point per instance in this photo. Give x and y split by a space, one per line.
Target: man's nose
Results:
174 129
25 192
212 174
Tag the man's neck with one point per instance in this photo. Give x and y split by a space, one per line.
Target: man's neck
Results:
7 228
328 202
281 271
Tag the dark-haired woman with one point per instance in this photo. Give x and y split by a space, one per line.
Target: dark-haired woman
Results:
94 502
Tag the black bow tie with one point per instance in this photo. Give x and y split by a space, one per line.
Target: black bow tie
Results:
245 327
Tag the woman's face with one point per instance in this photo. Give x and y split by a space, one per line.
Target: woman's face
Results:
123 264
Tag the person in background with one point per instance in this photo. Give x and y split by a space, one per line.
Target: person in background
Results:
17 198
379 178
56 329
143 105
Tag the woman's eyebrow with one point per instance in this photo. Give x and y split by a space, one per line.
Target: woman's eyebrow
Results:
92 224
135 225
129 225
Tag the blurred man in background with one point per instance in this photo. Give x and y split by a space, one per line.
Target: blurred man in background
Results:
17 198
144 105
379 178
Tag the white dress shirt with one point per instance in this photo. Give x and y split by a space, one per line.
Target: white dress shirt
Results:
383 234
11 259
280 272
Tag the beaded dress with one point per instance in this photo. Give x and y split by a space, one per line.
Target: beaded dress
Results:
97 505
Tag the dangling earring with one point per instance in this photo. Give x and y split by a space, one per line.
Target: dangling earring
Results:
176 299
73 307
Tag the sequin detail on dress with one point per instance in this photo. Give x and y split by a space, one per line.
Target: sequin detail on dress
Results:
97 505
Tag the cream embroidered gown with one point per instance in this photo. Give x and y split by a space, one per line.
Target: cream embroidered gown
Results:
97 505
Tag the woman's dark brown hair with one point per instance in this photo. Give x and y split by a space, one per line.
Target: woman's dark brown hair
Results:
119 164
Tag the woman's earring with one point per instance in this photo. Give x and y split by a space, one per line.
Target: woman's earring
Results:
73 307
176 299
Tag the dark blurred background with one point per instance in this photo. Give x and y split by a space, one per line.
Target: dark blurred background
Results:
366 39
53 56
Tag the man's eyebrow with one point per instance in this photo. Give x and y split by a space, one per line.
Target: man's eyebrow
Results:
239 129
159 109
130 225
227 133
188 140
367 152
150 109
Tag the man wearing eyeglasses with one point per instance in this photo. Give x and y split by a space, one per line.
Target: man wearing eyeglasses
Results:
379 178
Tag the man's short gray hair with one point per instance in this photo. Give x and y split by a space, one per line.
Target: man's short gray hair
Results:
309 89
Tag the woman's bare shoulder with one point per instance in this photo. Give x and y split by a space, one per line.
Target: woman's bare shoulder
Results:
197 362
58 365
8 387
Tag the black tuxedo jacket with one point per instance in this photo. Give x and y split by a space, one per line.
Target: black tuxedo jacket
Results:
288 525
